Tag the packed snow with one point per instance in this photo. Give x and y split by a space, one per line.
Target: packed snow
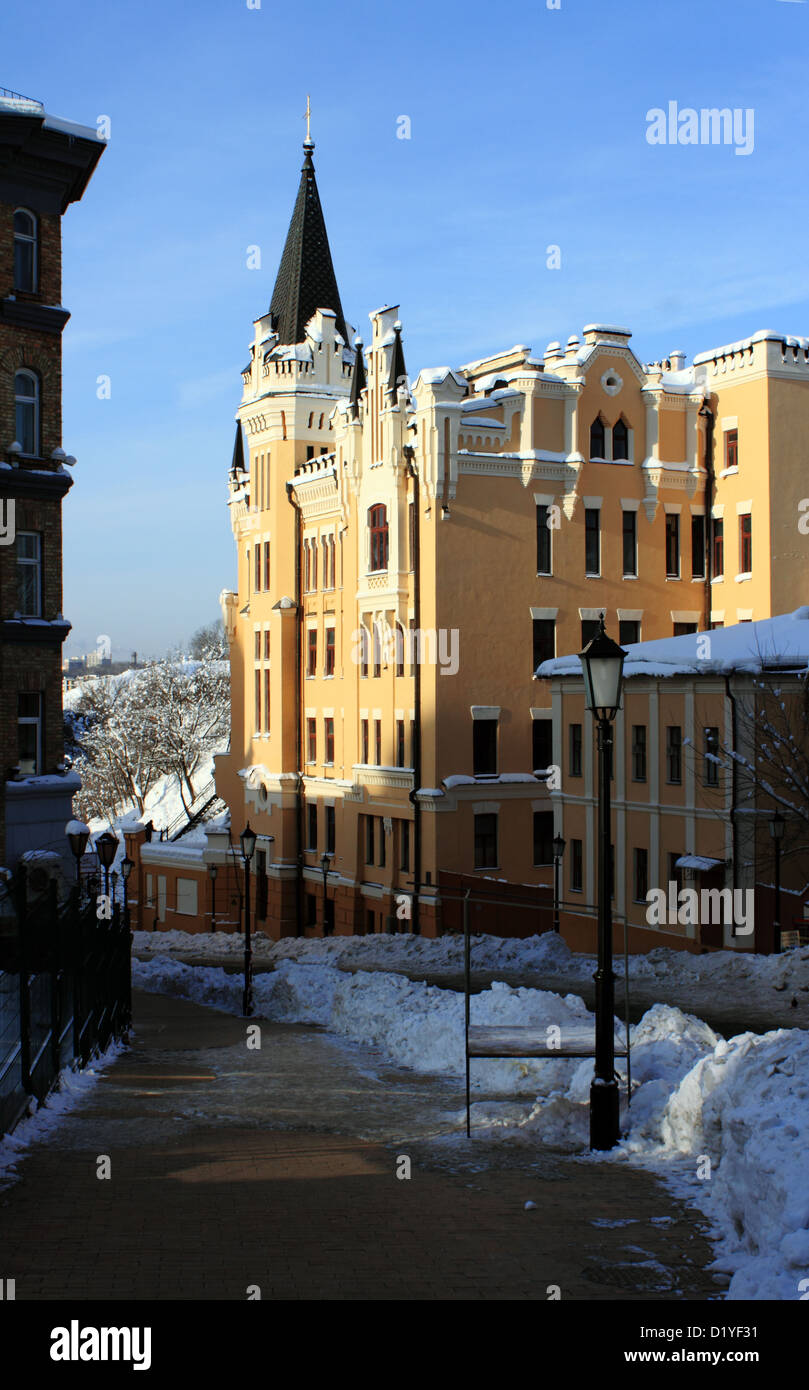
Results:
726 1122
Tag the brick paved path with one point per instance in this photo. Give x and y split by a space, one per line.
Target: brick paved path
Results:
233 1168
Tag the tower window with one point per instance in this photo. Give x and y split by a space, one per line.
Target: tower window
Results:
26 269
378 529
597 439
620 440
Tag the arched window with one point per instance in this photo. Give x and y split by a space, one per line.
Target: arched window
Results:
26 400
25 250
378 528
597 441
620 440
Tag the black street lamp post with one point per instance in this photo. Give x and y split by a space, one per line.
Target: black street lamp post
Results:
602 665
127 865
777 827
248 843
212 871
325 861
106 849
78 835
558 850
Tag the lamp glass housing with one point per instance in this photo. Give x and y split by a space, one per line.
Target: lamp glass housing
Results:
248 842
602 663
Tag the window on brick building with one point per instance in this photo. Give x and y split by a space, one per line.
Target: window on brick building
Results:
26 402
26 269
29 574
29 733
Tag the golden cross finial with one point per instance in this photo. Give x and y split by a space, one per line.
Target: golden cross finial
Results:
307 114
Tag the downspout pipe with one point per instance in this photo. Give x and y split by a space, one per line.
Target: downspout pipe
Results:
734 782
298 720
710 487
409 453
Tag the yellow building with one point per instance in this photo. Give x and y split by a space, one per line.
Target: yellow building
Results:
409 551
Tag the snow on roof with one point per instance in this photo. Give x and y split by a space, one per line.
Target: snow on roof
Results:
764 335
782 641
484 421
434 376
12 103
697 861
607 328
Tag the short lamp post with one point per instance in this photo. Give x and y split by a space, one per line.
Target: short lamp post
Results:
777 827
325 862
248 843
127 865
106 849
602 665
558 850
212 872
78 835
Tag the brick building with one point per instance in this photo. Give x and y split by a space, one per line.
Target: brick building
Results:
45 164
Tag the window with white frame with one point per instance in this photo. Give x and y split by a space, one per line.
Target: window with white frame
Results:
26 404
26 269
29 574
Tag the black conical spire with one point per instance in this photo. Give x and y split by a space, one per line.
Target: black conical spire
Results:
238 451
358 382
398 371
306 280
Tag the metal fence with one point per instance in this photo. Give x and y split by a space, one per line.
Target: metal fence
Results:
65 992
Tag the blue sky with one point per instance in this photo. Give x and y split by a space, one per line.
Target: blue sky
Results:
528 128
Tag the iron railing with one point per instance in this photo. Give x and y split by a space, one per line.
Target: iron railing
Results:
65 992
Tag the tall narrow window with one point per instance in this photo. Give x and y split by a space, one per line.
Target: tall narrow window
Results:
257 646
640 874
311 651
630 544
377 651
29 574
365 643
330 834
364 741
29 733
592 541
672 546
674 753
381 834
328 740
574 756
400 743
378 536
711 759
718 547
400 649
484 747
411 535
628 631
378 742
731 448
307 567
311 740
486 841
541 743
266 702
26 402
620 441
257 708
576 866
544 633
329 666
543 837
26 270
257 568
312 825
369 839
638 752
698 547
597 439
745 543
267 566
544 558
589 628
